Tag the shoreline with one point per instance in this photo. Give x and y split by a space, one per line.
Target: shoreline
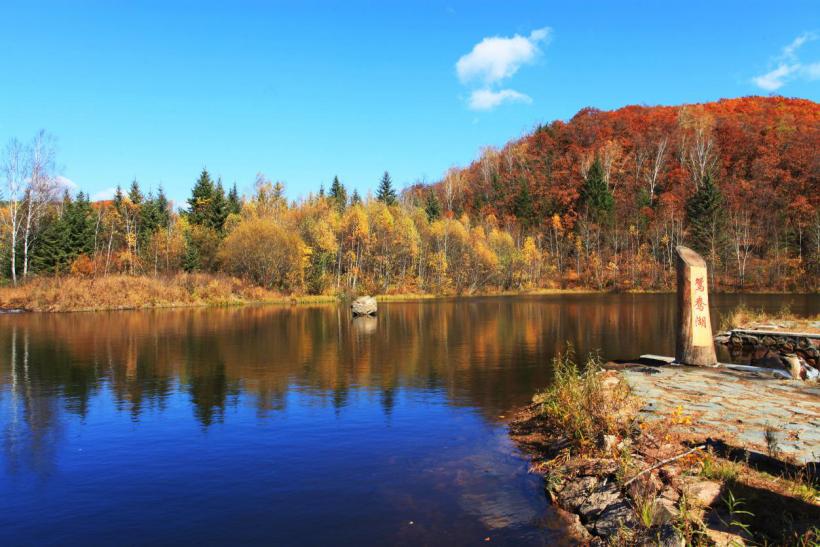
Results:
678 468
121 292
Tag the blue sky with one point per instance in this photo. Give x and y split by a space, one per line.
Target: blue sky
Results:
302 91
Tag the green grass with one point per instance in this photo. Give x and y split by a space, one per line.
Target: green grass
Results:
719 470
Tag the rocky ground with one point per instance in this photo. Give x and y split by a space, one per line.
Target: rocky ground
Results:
713 456
745 409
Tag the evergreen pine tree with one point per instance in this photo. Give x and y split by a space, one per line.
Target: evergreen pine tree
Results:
134 193
355 198
199 204
190 261
523 206
338 194
234 205
150 219
163 208
704 215
386 194
118 197
218 209
77 219
432 206
49 252
322 190
595 195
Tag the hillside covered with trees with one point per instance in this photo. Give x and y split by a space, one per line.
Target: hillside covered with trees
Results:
599 202
608 195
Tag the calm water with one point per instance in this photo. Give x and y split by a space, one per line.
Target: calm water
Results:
282 425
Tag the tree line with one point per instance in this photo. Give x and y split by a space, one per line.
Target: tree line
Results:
599 201
608 195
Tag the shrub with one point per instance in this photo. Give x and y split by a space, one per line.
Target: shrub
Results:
266 254
582 406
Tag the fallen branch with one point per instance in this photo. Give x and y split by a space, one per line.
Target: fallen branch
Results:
664 462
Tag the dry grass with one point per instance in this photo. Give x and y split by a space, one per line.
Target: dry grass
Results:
584 403
742 317
135 292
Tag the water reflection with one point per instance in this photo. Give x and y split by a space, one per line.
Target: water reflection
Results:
67 383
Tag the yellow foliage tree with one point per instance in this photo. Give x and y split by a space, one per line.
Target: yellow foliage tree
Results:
267 254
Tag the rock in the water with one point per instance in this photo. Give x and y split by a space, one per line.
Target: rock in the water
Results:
570 526
364 305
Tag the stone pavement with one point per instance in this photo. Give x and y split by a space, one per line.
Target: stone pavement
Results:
733 406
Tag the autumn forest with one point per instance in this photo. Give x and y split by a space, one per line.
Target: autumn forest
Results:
599 202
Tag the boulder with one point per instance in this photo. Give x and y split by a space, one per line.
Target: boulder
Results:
364 305
575 492
613 518
703 493
599 500
666 511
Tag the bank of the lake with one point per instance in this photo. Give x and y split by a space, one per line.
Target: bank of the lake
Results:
646 453
125 292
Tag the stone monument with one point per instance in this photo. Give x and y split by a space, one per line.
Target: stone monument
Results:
694 344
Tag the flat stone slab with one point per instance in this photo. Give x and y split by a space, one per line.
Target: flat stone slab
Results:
734 406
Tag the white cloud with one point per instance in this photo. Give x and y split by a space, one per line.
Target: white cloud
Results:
496 58
487 99
790 51
65 183
775 79
789 67
104 195
811 71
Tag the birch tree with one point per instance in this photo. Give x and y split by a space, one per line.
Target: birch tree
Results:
14 190
40 191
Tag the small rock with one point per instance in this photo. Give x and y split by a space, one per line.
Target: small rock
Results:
795 366
670 494
571 527
575 492
668 536
725 539
364 305
614 517
607 442
599 500
666 511
703 493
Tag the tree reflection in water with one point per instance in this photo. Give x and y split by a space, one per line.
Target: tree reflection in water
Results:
393 415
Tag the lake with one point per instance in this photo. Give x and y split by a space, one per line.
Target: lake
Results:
297 425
